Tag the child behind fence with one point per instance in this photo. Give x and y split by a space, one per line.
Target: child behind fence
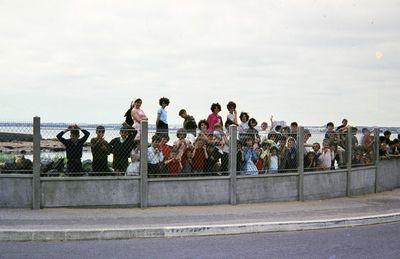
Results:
250 157
74 147
173 163
121 148
134 166
327 155
273 161
100 150
221 143
155 156
199 156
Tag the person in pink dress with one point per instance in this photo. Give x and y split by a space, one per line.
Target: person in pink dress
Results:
214 118
137 116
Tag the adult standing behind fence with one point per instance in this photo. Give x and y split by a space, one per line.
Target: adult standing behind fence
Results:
100 151
137 116
74 147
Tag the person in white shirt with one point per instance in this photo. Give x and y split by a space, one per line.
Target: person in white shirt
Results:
326 157
134 166
154 155
263 133
273 161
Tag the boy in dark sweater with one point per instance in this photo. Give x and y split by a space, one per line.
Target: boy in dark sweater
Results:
100 151
121 148
74 147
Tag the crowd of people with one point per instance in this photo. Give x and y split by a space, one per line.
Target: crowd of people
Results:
203 147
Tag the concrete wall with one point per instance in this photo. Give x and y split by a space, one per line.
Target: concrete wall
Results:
188 191
15 191
90 191
279 187
362 180
388 175
325 185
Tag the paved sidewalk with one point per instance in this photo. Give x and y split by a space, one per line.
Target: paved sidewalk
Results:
48 224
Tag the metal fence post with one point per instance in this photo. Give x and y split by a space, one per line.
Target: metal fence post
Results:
143 164
348 164
300 162
36 195
232 163
376 156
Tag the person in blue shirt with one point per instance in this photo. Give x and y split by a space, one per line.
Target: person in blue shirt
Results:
162 122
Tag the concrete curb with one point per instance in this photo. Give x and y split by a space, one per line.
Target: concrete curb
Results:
185 231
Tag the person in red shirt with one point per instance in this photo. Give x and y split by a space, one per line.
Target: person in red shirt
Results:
165 149
260 161
199 156
174 165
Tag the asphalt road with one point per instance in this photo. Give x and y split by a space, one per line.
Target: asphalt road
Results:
379 241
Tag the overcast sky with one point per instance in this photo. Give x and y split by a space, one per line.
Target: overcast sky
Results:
305 61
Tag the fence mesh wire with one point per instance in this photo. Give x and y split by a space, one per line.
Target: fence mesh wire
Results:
16 148
115 150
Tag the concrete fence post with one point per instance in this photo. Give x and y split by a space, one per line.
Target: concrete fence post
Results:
376 156
36 196
143 164
232 163
348 162
300 162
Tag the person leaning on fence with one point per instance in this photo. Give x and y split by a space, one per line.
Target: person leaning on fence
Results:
283 153
189 123
100 151
292 155
121 148
134 166
199 155
155 156
221 142
74 147
162 122
249 157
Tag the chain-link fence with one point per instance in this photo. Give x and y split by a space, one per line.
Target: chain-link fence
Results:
16 148
93 150
84 150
